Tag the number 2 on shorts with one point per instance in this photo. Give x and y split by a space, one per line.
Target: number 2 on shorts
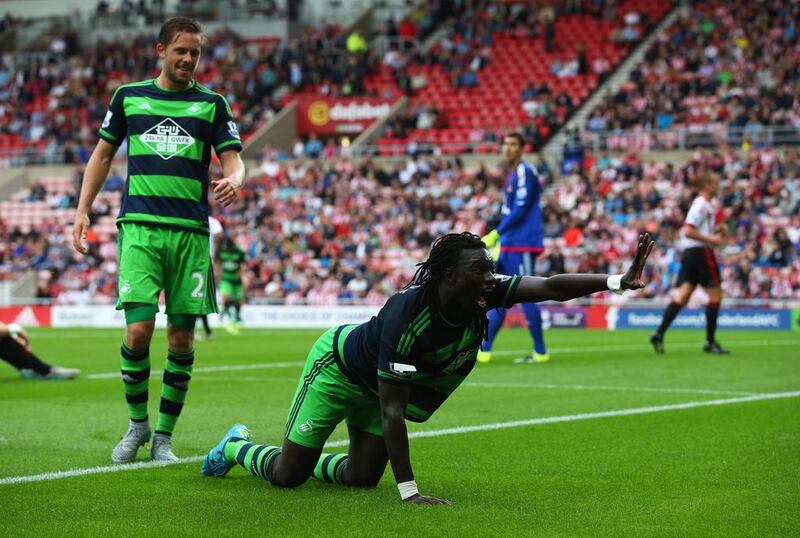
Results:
198 290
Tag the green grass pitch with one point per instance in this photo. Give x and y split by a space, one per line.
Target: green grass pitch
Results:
685 444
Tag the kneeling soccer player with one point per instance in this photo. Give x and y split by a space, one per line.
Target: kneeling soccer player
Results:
402 364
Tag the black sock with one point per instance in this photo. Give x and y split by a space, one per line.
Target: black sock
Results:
712 311
14 353
670 313
204 319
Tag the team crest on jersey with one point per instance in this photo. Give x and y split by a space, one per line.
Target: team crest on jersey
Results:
168 139
233 130
306 427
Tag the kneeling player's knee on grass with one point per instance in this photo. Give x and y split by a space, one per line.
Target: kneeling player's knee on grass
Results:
288 479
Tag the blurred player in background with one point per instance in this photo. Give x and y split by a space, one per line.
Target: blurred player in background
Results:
520 237
172 124
402 364
15 350
232 260
698 265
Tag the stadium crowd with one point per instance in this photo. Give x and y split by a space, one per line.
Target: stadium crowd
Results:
723 65
55 92
328 232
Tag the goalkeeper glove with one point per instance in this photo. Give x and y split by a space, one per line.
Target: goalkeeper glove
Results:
494 252
491 238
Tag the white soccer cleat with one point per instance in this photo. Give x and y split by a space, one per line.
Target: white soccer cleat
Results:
59 372
126 449
161 449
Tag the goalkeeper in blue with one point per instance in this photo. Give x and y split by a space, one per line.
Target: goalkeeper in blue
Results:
519 239
400 365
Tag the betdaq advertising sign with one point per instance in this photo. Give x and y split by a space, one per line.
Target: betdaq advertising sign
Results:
695 318
344 116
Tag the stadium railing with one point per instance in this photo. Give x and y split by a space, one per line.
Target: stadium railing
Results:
683 138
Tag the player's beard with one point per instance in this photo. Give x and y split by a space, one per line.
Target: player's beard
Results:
177 76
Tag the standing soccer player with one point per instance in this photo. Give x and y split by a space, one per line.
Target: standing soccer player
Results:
520 237
172 123
698 266
231 260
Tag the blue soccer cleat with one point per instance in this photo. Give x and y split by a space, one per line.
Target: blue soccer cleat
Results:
215 463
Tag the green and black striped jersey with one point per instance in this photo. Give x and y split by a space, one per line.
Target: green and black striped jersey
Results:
409 341
170 137
230 260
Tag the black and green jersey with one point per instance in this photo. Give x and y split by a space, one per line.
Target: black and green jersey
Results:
230 260
170 136
409 341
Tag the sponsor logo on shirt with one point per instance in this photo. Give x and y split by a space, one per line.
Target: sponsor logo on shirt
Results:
168 139
460 359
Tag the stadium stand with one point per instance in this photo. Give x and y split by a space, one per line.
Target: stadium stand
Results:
508 66
725 68
328 232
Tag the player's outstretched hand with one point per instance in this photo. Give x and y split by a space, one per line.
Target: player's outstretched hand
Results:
226 190
424 499
632 280
79 231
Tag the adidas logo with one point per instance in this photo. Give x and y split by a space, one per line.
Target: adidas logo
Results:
145 106
194 108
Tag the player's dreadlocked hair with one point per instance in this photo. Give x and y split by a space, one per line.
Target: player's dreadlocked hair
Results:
444 255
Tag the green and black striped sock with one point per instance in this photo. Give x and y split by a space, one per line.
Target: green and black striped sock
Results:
177 373
330 468
135 368
258 459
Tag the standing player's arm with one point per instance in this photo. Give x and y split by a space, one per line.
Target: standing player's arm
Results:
93 179
570 286
693 233
393 400
226 190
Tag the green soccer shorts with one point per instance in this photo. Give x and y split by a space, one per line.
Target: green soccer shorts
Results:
153 259
232 291
325 396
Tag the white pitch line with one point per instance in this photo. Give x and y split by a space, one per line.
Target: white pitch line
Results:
606 387
202 369
582 349
432 433
268 379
